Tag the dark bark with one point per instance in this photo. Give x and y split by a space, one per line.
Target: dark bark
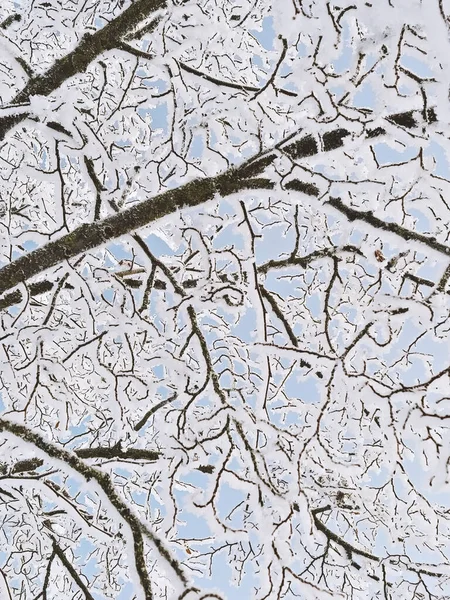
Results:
197 192
369 218
89 48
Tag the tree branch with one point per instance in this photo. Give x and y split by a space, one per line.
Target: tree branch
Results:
138 529
197 192
369 218
79 59
68 565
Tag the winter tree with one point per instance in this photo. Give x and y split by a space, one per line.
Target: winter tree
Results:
224 264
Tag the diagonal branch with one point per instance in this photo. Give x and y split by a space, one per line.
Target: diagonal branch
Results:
197 192
369 218
89 236
89 473
231 84
278 313
68 565
89 48
350 549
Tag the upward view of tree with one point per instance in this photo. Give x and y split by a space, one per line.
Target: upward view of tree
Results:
225 332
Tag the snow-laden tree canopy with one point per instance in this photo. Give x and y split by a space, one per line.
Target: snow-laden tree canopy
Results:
224 264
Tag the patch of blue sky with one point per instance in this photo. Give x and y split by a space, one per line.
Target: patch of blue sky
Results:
159 115
84 549
371 59
197 478
329 171
108 295
44 159
297 325
160 84
250 399
213 138
158 246
89 566
302 50
139 497
350 312
437 350
283 285
197 147
304 387
226 381
126 592
257 61
79 429
228 499
338 91
345 58
226 208
314 304
283 73
365 97
387 155
229 237
156 504
205 402
74 486
421 553
123 143
29 245
276 241
382 541
278 378
158 371
348 449
266 35
246 149
422 223
122 252
442 167
413 370
190 525
235 464
415 65
122 471
404 90
288 417
377 476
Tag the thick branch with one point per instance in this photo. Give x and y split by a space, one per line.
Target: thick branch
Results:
89 236
79 59
68 565
349 548
197 192
89 473
117 452
369 218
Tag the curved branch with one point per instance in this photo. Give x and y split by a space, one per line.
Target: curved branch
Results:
89 48
137 528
